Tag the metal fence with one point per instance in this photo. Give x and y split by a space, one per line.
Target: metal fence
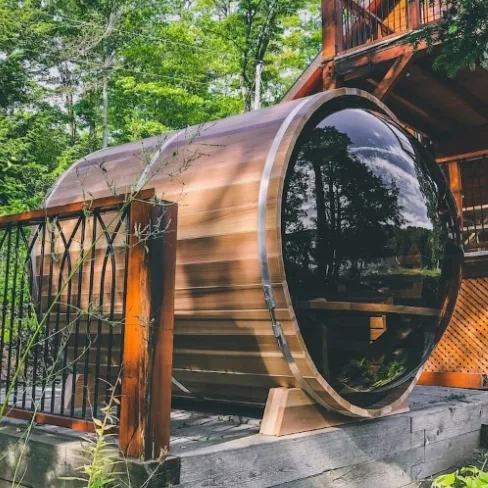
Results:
86 315
62 283
365 21
474 175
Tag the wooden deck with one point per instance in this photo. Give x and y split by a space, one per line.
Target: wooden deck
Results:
441 430
219 446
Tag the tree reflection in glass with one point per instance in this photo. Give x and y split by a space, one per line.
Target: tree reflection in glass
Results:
368 246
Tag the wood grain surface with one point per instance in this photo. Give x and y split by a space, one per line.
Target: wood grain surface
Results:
224 346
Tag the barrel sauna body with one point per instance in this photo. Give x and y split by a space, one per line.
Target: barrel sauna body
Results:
317 248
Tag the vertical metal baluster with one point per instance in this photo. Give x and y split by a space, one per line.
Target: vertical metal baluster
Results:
124 295
21 311
77 322
56 351
5 298
12 304
391 11
38 307
47 339
99 321
31 297
349 27
113 291
481 200
88 325
473 207
67 332
113 294
3 264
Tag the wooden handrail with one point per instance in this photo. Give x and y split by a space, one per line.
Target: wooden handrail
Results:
35 216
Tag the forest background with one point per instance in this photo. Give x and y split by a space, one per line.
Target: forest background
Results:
80 75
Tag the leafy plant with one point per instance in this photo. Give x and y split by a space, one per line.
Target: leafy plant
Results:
467 477
101 457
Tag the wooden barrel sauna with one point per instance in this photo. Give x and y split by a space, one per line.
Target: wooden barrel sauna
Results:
318 247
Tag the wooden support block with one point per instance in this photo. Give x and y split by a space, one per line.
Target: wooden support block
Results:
291 410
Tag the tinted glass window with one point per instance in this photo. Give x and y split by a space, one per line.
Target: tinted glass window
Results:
370 250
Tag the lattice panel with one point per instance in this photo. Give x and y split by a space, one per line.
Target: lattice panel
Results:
464 346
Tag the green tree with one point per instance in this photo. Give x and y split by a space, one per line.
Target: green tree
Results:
462 33
78 75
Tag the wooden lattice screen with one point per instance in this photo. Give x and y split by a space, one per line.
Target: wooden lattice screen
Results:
461 357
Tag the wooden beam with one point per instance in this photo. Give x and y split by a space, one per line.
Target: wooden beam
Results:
461 156
456 90
453 379
432 120
465 142
330 80
393 76
79 425
373 54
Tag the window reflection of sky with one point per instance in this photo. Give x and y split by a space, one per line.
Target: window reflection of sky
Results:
388 152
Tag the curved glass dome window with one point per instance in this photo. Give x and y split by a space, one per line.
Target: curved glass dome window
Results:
371 250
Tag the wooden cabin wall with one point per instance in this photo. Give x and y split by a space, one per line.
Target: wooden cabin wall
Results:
460 359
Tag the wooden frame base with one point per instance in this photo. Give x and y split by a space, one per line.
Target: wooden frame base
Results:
477 381
291 410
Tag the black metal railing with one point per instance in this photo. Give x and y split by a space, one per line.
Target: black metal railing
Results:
474 176
432 10
365 21
62 297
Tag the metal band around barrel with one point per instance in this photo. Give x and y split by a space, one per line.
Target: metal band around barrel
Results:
263 252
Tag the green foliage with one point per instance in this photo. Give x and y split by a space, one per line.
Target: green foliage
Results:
468 477
463 35
100 453
79 75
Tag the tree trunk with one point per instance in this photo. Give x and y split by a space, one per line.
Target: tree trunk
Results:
246 94
105 103
257 85
322 227
105 112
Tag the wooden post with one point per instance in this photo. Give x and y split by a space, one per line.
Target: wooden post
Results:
331 28
135 362
413 14
331 40
456 184
148 334
163 263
